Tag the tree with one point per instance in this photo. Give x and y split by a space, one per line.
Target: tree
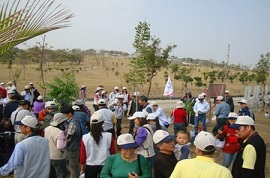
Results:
150 57
35 18
262 71
64 88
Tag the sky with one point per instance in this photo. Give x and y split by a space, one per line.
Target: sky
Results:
201 29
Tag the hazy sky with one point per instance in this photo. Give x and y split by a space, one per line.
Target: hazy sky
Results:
200 28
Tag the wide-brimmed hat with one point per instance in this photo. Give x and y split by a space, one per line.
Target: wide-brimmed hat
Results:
180 104
136 93
232 116
126 141
58 118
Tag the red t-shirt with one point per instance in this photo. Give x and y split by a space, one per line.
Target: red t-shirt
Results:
179 115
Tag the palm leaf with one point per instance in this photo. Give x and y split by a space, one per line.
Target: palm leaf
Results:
35 18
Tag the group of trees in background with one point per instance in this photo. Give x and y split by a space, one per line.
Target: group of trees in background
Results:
36 18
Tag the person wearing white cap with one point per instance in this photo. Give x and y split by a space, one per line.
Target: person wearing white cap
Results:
108 115
160 113
229 100
57 143
119 110
34 91
200 108
245 110
10 85
165 161
179 116
31 157
51 108
222 111
126 95
113 95
134 107
96 147
232 142
204 164
82 93
154 122
126 163
251 157
28 95
97 96
144 137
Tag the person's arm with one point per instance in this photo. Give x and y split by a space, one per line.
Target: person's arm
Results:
146 170
82 157
141 136
15 161
112 148
61 141
184 152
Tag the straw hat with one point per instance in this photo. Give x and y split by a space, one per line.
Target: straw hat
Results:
180 104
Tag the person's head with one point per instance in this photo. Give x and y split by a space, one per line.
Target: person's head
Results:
99 90
180 104
151 118
27 124
219 99
58 119
243 103
127 145
31 85
10 93
68 112
76 108
136 95
9 84
154 105
50 106
104 93
40 98
2 84
96 126
201 98
124 90
120 98
227 92
188 94
182 137
205 144
232 118
139 118
24 104
244 126
116 89
27 89
83 87
143 100
102 103
164 141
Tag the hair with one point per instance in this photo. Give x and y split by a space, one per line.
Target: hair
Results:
143 98
67 110
252 127
211 151
184 132
143 121
96 131
158 127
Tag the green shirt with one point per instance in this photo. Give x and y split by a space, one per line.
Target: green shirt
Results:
116 167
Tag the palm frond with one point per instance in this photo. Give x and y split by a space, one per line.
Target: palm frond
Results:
35 18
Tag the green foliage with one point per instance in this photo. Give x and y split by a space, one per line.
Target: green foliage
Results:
64 88
20 22
150 57
262 69
198 82
189 106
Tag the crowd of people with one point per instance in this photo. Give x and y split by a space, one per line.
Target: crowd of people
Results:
43 139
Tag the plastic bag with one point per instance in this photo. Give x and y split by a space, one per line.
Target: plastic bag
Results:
220 144
82 176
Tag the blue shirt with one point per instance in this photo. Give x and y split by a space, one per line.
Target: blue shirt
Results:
201 106
223 109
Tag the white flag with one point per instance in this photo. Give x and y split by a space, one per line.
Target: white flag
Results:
168 91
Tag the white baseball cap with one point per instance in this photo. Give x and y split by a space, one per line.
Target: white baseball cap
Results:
201 97
29 121
162 136
96 118
243 101
136 93
232 115
227 91
58 118
116 88
39 97
242 120
219 98
76 108
151 116
102 102
205 141
126 141
138 114
154 103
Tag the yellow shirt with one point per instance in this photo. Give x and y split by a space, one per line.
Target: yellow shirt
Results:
200 167
249 157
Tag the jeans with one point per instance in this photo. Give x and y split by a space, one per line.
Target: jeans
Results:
179 126
228 158
58 169
74 167
92 171
202 118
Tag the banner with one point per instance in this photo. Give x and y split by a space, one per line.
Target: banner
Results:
168 91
